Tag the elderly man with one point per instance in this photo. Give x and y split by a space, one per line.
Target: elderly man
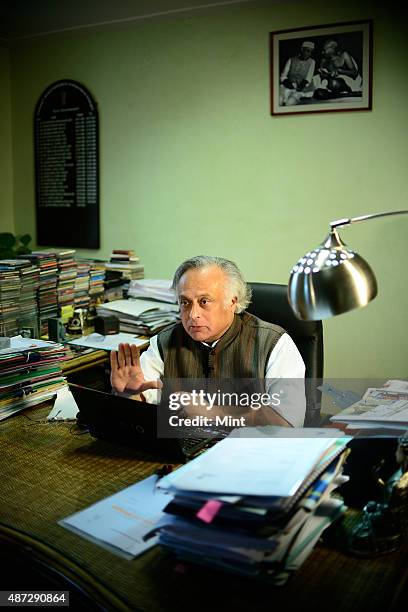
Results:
216 338
338 71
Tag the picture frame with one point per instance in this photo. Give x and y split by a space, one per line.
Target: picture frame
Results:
322 68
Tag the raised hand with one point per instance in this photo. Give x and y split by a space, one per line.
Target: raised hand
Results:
126 372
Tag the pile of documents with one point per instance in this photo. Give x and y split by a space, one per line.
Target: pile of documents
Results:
144 317
380 407
120 522
155 289
30 373
257 505
107 343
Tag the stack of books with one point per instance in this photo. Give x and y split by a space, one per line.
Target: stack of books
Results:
18 299
256 503
126 262
89 282
67 271
82 299
152 288
30 373
96 280
10 285
114 285
144 317
47 297
30 282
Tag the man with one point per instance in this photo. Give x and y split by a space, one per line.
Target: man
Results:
297 75
215 339
338 71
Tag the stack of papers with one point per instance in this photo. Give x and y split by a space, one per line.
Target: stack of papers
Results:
154 289
145 317
30 373
383 407
107 343
120 522
257 505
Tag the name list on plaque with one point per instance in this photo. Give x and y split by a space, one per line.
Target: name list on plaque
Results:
67 166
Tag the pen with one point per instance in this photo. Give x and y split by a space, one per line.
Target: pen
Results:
162 471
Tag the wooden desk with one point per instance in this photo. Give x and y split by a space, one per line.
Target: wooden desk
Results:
78 361
87 368
49 473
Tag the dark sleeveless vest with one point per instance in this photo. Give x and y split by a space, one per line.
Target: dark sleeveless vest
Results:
242 352
299 68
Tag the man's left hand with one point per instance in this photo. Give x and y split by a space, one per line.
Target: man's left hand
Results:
302 85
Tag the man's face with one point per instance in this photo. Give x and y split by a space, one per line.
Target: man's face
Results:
328 50
205 313
305 52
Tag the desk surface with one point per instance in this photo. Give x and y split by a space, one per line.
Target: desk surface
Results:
49 473
83 359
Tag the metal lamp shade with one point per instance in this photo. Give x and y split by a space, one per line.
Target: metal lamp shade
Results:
330 280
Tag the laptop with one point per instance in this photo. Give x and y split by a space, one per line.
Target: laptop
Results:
133 423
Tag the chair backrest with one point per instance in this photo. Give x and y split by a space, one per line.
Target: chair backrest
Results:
270 303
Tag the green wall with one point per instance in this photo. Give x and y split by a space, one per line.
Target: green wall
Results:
6 177
192 162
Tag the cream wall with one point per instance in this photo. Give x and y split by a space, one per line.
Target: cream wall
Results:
192 162
6 178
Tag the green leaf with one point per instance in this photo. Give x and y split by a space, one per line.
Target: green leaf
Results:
25 239
7 240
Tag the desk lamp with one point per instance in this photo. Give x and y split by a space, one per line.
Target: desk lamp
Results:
332 278
328 281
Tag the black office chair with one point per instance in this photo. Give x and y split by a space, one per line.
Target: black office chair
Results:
270 303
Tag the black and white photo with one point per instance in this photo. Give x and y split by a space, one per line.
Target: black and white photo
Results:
322 68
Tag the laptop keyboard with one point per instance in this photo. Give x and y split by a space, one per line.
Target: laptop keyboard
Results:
190 446
193 444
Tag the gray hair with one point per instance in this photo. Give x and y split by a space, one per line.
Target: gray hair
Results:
236 284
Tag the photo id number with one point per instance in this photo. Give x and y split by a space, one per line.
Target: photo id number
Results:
34 598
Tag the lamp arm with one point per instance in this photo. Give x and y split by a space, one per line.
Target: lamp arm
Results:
344 222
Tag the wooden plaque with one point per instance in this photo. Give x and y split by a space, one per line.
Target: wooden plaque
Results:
67 167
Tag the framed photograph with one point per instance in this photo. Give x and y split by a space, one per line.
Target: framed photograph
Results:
322 68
